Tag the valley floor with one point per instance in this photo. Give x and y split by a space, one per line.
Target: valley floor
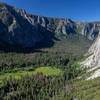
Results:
48 71
46 75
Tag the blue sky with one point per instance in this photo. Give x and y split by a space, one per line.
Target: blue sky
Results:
77 10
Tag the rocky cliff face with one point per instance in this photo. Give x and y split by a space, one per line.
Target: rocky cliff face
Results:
94 51
90 30
26 30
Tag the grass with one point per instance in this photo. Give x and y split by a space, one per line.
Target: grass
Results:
82 90
88 90
48 71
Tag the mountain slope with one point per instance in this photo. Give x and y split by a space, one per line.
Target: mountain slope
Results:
27 30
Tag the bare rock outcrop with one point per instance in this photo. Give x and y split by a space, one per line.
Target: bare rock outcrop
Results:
94 59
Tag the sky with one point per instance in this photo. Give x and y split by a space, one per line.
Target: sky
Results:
76 10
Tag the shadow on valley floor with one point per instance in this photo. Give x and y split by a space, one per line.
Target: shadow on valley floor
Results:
46 43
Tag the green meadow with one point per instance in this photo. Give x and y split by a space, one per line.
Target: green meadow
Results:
47 71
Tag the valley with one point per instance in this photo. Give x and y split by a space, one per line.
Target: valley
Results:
44 58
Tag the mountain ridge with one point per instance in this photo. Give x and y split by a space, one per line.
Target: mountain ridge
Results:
27 30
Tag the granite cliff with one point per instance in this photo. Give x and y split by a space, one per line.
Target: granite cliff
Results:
94 59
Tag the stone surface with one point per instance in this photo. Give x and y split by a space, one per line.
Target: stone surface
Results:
74 99
94 75
94 59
